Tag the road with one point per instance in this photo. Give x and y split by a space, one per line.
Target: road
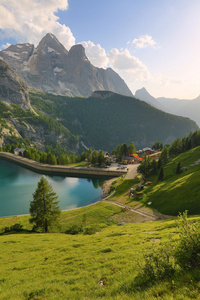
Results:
132 169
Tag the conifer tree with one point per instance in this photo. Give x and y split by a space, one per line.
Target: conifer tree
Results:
161 174
44 208
178 169
131 148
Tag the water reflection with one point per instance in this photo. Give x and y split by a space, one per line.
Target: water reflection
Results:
17 185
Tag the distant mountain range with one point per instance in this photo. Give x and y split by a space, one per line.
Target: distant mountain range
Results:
51 68
179 107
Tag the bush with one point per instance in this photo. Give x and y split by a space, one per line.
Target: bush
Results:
187 253
91 229
16 227
74 229
158 266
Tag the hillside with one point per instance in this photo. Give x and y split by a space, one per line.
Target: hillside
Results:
105 119
101 265
17 124
177 192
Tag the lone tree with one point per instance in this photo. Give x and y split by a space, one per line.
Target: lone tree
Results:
178 168
44 208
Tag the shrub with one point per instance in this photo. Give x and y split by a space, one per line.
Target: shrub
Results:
187 252
158 266
91 229
16 227
74 229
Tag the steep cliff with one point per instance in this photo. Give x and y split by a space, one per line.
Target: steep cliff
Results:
51 68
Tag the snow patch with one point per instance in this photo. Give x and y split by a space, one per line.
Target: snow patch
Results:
50 49
19 46
12 54
57 70
61 84
52 36
48 88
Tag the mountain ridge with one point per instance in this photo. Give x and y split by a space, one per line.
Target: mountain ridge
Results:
179 107
51 68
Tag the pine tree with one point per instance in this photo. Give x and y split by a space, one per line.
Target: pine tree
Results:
159 163
165 155
94 159
131 148
44 208
101 158
161 174
178 169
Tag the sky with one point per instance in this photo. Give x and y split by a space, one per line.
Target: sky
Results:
150 43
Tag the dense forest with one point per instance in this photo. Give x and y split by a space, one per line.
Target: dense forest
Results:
105 119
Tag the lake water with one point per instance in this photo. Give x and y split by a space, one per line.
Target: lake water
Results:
17 185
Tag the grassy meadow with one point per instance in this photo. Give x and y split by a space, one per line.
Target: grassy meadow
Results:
101 265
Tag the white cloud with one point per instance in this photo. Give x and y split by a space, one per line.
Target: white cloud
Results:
29 21
5 46
128 66
96 54
144 41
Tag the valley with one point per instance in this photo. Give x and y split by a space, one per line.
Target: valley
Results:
135 236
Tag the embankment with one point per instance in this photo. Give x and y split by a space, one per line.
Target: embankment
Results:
61 170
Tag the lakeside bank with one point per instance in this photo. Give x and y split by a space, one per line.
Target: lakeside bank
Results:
61 170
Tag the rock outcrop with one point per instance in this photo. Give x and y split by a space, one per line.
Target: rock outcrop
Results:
13 89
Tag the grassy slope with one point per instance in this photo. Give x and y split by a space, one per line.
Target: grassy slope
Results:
60 266
177 192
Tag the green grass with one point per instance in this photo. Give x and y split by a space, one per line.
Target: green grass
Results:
61 266
123 187
177 192
100 213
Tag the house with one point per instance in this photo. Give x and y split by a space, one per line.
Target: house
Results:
136 157
19 151
148 150
127 160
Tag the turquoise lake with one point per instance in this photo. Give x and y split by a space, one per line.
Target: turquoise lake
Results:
17 184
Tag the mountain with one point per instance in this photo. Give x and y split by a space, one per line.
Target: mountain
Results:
19 120
106 119
144 95
50 67
179 107
13 88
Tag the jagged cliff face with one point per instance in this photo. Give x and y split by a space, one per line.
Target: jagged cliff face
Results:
50 67
13 89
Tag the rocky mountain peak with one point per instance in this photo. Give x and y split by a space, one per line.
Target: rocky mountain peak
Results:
51 68
49 44
144 95
77 52
142 92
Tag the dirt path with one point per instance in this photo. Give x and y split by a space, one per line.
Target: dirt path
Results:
138 211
